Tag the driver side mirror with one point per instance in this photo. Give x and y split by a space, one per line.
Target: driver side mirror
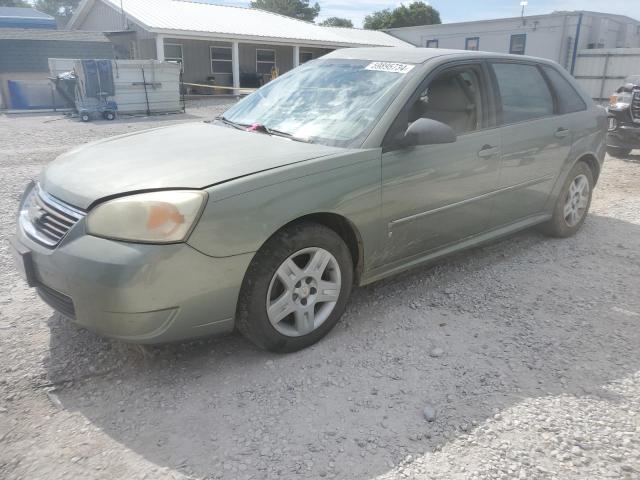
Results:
426 131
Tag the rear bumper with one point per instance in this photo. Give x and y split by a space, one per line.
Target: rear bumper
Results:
135 292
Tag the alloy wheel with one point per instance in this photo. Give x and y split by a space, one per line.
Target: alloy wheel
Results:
576 201
303 292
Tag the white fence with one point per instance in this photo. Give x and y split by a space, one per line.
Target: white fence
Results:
602 71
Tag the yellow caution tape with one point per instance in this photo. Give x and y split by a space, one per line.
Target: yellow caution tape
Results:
249 90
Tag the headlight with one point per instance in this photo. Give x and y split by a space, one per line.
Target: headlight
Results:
620 101
155 217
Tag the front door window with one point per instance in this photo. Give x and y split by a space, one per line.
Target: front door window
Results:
454 98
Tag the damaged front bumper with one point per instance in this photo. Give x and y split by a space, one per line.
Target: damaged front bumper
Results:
140 293
623 132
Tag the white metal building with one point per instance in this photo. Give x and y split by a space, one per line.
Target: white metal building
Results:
557 36
216 44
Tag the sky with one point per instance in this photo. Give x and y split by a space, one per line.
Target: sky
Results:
463 10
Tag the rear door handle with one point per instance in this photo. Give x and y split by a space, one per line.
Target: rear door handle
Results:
562 132
487 151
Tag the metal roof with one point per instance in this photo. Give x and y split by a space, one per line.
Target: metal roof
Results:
22 17
51 35
368 37
23 12
175 17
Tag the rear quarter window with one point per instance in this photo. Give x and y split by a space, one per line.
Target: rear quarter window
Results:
569 100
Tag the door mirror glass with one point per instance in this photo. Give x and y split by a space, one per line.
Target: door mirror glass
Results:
426 131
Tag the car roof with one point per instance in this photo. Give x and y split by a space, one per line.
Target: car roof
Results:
417 54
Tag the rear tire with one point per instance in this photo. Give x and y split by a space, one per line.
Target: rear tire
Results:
572 204
618 152
296 288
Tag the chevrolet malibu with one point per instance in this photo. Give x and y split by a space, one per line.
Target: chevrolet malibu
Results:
350 168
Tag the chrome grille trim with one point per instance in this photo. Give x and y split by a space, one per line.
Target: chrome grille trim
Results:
635 106
46 219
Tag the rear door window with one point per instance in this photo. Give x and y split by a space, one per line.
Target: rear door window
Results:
524 92
569 100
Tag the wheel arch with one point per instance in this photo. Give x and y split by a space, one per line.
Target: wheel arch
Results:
592 162
343 227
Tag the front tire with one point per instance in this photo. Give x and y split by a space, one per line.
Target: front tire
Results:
296 288
572 204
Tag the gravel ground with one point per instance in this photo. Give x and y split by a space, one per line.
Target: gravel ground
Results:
520 359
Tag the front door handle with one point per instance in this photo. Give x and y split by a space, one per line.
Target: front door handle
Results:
562 132
487 151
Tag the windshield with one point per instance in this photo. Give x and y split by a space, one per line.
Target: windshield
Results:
333 102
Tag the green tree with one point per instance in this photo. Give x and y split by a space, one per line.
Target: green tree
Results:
299 9
417 13
13 3
61 9
337 22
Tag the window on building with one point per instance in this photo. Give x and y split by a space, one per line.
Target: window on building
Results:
569 100
523 91
221 60
173 53
472 43
432 43
518 43
133 50
305 57
265 60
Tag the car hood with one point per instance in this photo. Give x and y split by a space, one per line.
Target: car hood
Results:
191 155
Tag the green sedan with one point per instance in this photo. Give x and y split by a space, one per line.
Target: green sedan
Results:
350 168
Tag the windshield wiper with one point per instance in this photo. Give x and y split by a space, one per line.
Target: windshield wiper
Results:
258 127
226 121
291 136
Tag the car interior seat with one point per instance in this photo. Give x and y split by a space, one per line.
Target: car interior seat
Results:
447 102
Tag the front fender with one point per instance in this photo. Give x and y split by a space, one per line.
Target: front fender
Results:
241 215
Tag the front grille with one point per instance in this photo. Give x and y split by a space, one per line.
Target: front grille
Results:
46 219
635 106
56 300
